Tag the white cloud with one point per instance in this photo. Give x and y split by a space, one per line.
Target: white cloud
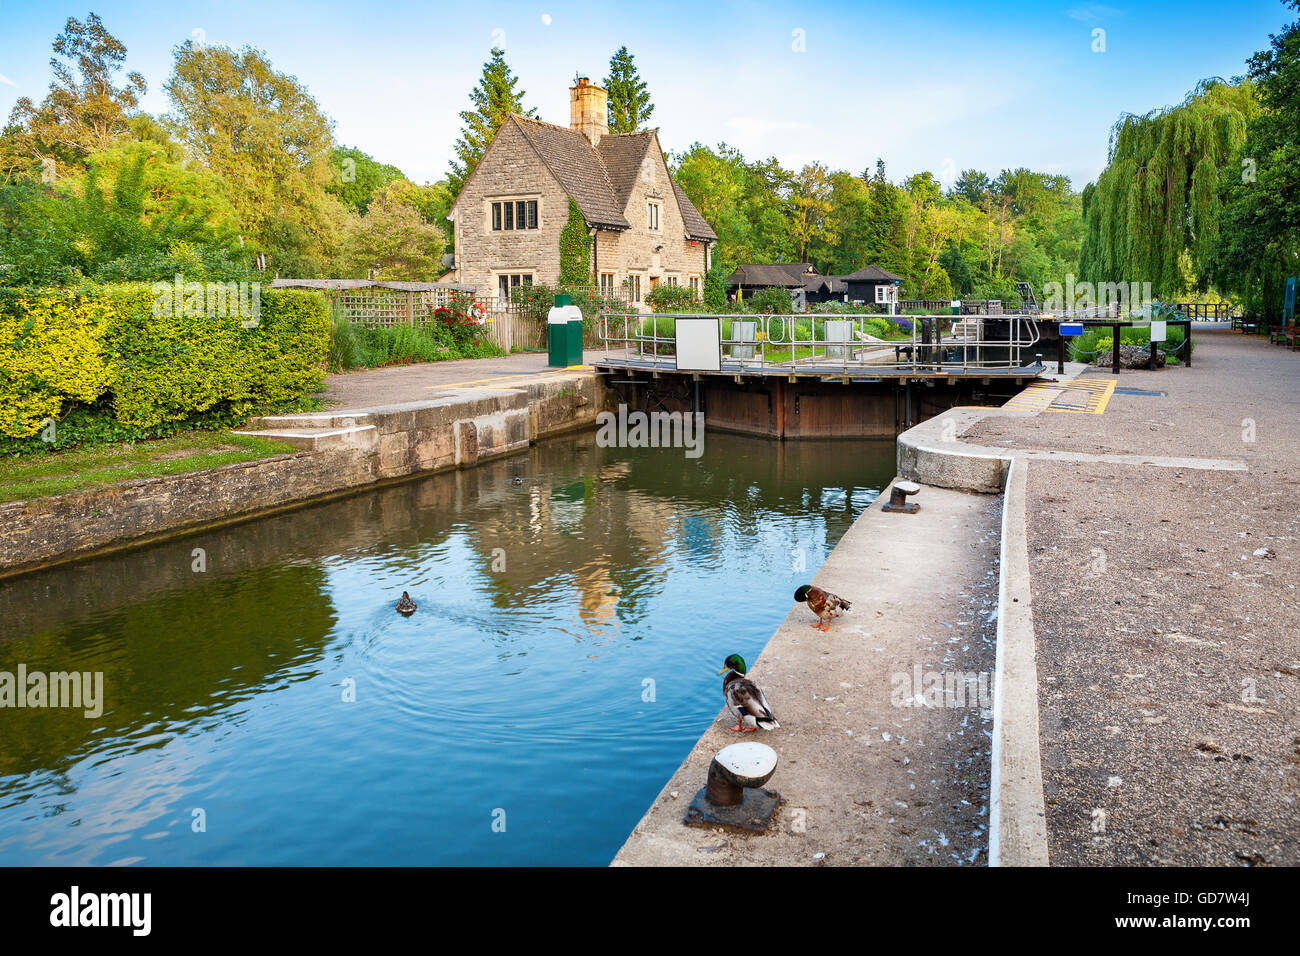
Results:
6 81
1093 11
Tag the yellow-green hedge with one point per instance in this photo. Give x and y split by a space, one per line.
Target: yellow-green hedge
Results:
61 347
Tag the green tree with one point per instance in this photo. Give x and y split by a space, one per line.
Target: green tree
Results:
267 138
1159 195
1258 241
937 285
575 249
887 221
355 176
972 185
493 99
85 111
629 101
392 240
811 207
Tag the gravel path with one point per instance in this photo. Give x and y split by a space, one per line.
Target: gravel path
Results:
1167 610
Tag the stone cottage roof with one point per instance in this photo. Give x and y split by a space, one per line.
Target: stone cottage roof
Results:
600 179
696 225
569 155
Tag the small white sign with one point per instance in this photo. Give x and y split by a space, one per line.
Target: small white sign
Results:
1157 331
698 345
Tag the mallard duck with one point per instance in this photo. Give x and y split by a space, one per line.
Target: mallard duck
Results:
516 480
824 604
405 605
744 699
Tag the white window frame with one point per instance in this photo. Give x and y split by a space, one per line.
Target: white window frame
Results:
654 216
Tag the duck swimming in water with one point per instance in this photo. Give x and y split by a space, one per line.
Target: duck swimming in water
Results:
744 699
824 604
405 605
516 480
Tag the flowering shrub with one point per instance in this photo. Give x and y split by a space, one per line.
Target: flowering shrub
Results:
461 323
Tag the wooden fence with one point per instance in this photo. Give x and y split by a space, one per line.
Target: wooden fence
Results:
1208 311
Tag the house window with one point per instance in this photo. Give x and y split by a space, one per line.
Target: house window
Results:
672 280
695 284
516 214
652 215
886 293
607 285
633 286
513 281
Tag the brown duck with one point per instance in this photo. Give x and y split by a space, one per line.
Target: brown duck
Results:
824 604
744 699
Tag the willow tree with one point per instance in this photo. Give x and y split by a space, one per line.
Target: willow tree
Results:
1157 203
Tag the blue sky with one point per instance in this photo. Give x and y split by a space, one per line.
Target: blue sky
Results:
941 86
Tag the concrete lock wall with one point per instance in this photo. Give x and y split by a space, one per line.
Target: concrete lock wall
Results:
339 452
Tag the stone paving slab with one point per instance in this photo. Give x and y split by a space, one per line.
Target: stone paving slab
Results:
864 779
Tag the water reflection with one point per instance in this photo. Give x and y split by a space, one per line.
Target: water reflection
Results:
547 611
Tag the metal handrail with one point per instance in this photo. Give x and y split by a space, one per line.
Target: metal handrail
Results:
780 334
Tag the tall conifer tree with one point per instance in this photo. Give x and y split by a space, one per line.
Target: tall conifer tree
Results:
493 99
629 101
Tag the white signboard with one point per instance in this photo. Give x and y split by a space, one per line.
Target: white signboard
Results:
698 345
1157 331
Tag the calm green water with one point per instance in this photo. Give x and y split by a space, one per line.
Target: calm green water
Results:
550 686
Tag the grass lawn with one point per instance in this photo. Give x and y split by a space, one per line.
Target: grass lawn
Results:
777 354
39 476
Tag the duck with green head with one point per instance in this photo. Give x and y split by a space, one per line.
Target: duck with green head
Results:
744 699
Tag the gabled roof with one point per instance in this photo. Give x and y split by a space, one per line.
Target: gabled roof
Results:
778 275
600 179
570 157
697 227
819 283
622 154
873 274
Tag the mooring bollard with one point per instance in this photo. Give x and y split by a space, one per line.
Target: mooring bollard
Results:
898 498
733 795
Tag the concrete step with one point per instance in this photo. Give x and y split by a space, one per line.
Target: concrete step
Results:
312 420
321 439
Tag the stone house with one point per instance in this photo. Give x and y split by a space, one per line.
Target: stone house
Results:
508 217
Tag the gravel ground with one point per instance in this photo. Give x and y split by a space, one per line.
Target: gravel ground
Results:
1167 608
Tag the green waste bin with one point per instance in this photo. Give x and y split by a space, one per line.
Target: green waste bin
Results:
564 333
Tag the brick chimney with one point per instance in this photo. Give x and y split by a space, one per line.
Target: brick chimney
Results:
589 110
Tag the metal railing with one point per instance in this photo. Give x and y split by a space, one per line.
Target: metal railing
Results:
828 344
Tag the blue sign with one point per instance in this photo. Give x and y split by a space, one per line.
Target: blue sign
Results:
1071 328
1288 305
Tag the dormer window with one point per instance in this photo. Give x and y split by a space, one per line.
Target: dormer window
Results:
652 215
512 214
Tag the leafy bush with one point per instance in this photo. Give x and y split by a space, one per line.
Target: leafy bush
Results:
674 298
1096 341
455 331
770 300
536 301
108 348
